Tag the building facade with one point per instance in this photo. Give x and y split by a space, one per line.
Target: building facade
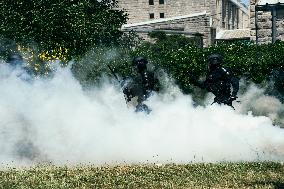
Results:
197 24
229 14
267 20
215 15
145 10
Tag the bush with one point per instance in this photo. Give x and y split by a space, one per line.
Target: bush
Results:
186 62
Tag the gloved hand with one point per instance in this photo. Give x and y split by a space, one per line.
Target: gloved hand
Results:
127 93
233 97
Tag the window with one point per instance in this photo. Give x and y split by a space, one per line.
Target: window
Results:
151 2
162 15
280 13
151 15
161 2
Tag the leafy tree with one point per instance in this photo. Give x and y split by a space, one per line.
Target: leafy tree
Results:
72 25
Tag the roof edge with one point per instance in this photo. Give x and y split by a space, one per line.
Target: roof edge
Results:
245 9
269 2
164 19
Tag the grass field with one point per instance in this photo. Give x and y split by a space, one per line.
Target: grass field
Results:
223 175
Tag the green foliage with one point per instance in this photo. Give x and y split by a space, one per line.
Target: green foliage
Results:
174 41
177 55
94 65
186 62
76 25
159 35
90 68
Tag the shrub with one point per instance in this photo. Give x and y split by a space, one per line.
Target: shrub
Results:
186 62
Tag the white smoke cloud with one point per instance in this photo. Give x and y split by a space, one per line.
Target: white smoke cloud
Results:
256 101
55 120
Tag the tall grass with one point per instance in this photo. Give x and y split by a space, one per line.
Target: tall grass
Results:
222 175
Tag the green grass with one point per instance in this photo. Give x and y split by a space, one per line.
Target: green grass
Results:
223 175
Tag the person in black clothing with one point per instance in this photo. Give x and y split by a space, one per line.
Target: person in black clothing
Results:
277 78
15 60
142 85
16 63
219 81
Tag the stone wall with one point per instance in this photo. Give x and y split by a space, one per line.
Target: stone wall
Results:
264 24
217 15
280 25
252 19
195 24
225 14
139 10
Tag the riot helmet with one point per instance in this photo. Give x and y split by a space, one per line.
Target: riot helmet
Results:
15 59
140 63
215 61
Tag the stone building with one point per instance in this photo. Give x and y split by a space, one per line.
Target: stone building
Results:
267 20
206 17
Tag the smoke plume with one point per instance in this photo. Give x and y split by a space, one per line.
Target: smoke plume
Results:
56 121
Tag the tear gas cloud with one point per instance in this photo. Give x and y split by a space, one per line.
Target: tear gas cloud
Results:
56 120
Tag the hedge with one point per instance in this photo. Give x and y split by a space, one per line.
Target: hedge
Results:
186 62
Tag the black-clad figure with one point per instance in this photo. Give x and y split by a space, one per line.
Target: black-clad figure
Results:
15 60
17 64
277 76
219 81
142 85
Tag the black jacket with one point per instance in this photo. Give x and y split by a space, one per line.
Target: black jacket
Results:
220 81
141 86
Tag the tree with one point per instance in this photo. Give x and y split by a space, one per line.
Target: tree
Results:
73 25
